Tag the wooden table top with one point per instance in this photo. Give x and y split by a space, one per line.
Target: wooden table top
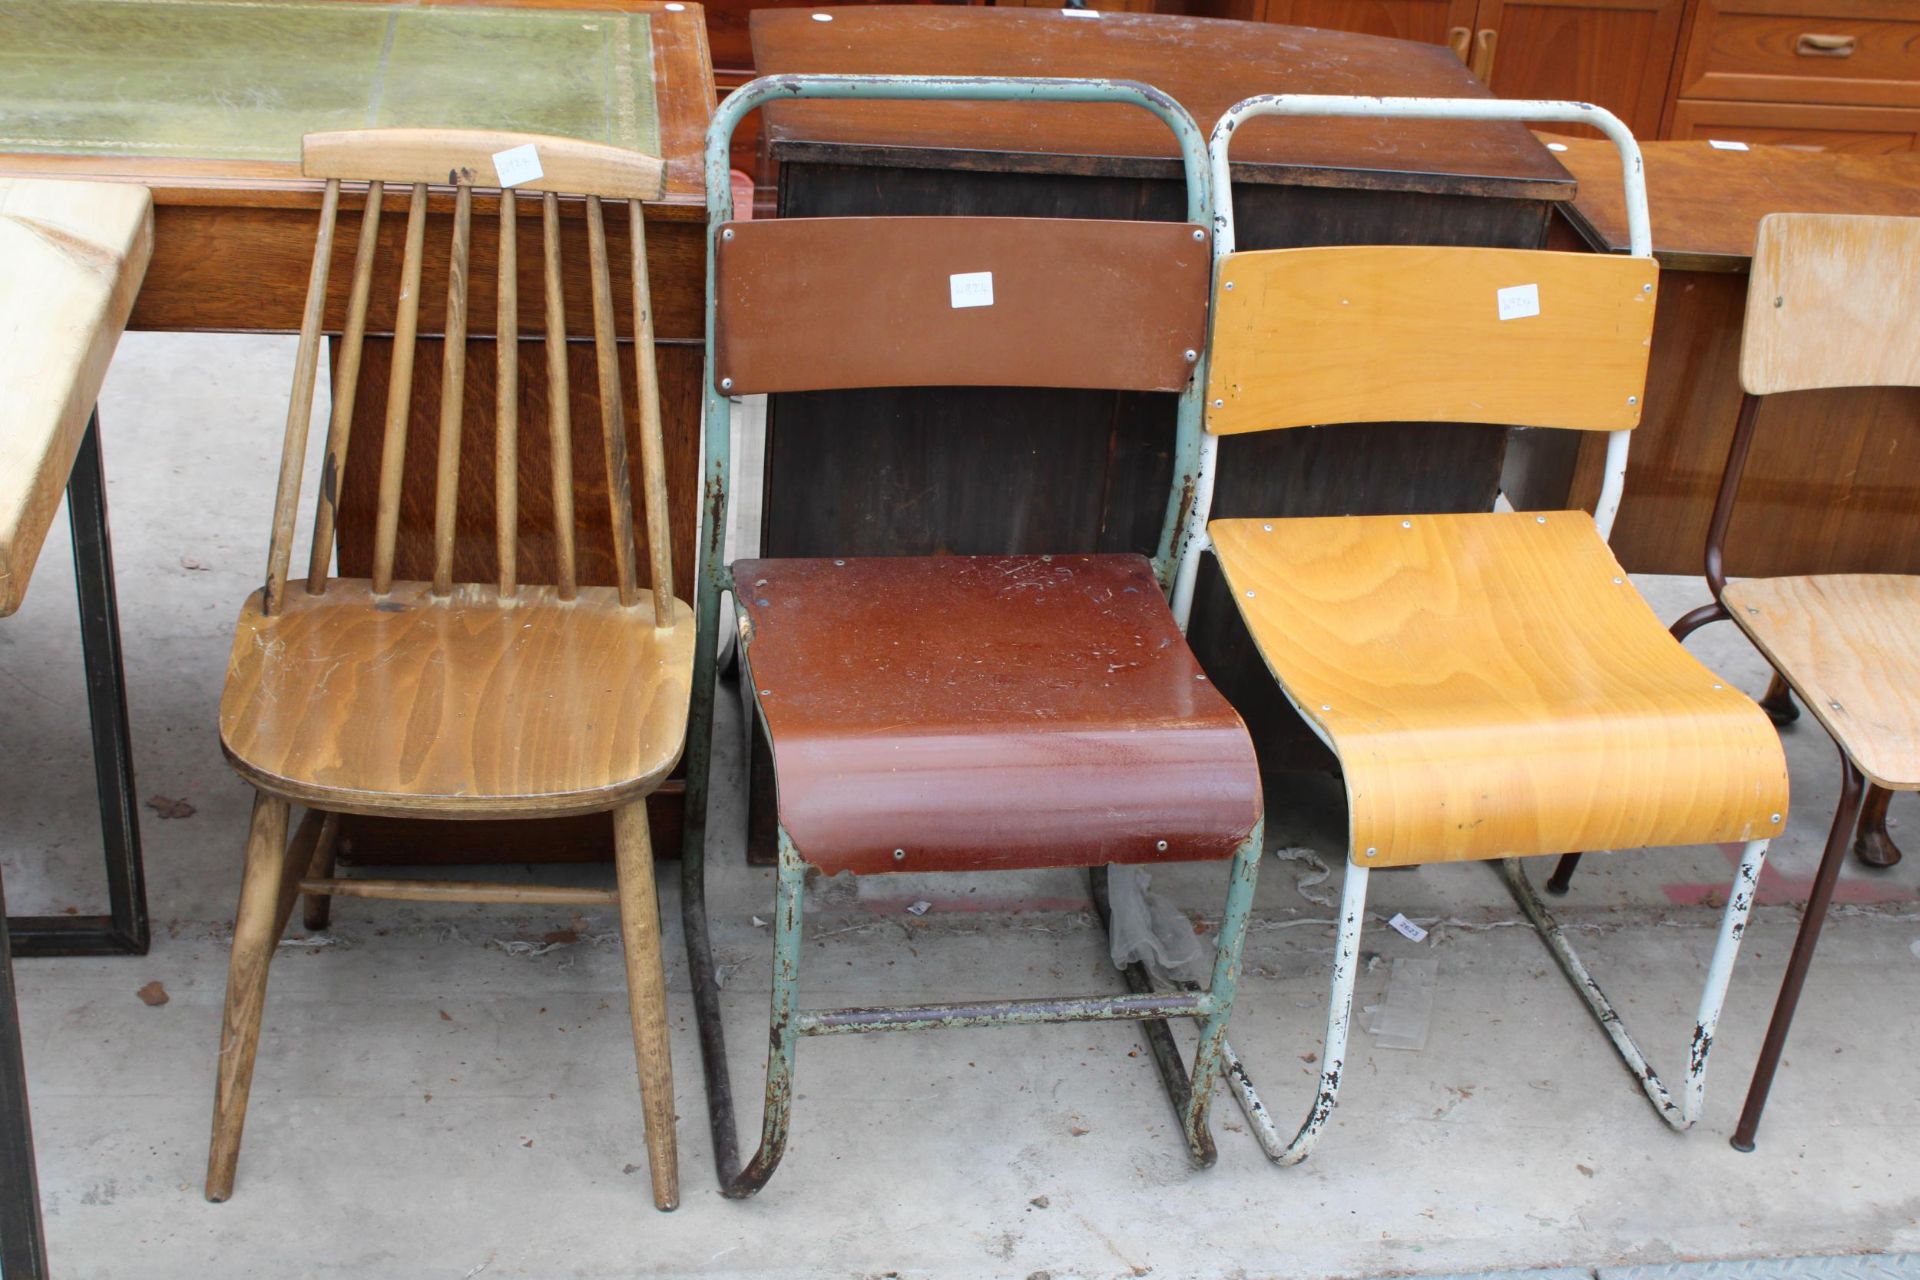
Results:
1706 202
74 254
1206 64
205 101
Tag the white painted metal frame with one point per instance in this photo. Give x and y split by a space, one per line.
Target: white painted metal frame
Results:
1679 1114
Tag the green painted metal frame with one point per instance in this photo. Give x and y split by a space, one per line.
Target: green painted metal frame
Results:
788 1021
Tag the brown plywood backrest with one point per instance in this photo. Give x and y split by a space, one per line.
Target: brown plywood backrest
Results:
1390 333
1833 301
809 304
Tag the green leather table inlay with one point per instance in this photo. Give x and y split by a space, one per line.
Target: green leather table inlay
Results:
244 79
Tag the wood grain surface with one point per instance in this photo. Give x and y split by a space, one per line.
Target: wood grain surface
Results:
469 157
809 304
462 705
72 255
1493 686
1849 644
1833 300
1205 64
1707 203
1382 333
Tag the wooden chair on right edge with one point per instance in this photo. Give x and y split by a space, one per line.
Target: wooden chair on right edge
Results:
526 693
1491 683
1833 301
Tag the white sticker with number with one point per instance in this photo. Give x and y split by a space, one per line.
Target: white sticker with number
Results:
971 289
1407 928
517 165
1519 301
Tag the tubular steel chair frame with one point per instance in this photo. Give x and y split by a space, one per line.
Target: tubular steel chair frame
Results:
789 1022
1679 1113
277 870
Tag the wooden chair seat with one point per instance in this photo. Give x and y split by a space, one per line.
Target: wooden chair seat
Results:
1494 686
406 703
990 712
1849 644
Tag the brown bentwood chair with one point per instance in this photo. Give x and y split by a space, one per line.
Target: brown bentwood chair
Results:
508 698
979 712
1833 300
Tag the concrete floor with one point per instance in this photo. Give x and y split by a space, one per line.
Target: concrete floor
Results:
434 1098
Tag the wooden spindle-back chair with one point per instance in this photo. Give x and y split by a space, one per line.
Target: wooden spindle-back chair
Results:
458 699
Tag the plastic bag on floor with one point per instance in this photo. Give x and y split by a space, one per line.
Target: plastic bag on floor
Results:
1149 929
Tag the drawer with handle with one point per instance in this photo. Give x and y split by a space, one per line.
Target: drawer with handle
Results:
1863 52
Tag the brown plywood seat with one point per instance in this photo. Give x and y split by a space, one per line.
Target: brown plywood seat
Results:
990 712
1849 644
407 703
1493 686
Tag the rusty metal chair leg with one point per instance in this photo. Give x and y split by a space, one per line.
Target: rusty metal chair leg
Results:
1160 1042
1225 982
1333 1052
1802 958
1681 1112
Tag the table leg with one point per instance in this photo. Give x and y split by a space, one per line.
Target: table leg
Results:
23 1246
125 930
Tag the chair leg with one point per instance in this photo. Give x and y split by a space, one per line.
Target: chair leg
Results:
1778 701
783 1027
1733 925
254 938
318 912
1801 960
1873 845
647 997
1228 950
1333 1052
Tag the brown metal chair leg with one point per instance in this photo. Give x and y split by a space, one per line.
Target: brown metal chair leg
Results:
1802 958
1871 843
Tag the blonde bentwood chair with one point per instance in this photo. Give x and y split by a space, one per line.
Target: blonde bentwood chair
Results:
450 699
1492 684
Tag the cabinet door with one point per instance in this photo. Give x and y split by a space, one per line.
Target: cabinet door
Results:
1429 21
1617 53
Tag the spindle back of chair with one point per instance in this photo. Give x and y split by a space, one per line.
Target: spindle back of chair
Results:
508 164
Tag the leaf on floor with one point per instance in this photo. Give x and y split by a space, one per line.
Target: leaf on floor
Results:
168 807
153 994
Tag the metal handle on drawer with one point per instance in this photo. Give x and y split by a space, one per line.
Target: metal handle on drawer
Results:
1460 39
1482 67
1817 46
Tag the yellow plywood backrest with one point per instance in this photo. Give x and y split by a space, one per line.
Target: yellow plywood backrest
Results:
1395 333
1833 301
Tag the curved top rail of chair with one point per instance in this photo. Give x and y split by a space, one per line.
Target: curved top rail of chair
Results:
454 157
1639 229
759 92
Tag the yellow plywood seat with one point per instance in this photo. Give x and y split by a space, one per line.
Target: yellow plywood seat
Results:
414 704
1493 686
1849 644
